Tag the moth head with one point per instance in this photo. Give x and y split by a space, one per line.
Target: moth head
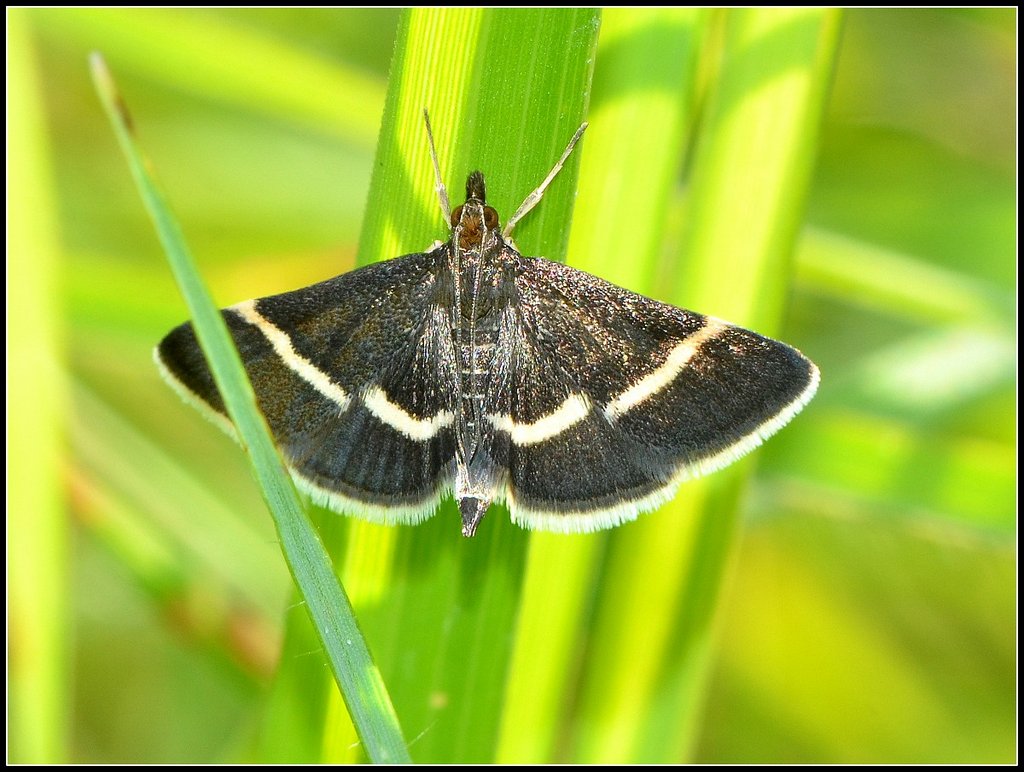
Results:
474 218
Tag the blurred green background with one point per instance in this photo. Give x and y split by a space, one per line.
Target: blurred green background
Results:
869 614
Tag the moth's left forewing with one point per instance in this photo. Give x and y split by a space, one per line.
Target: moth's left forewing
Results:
641 396
353 379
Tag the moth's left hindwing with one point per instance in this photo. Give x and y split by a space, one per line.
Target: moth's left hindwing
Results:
357 379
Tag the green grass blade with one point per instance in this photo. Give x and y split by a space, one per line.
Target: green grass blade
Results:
37 549
360 682
635 144
757 157
758 150
506 89
493 108
745 206
898 284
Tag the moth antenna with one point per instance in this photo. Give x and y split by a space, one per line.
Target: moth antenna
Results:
442 197
456 268
442 192
478 416
534 198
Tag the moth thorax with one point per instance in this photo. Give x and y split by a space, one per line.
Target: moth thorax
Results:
477 299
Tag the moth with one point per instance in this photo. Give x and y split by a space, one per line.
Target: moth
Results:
474 371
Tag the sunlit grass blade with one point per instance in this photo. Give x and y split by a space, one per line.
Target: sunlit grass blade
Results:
745 206
634 151
37 549
853 454
492 109
897 284
358 678
439 608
